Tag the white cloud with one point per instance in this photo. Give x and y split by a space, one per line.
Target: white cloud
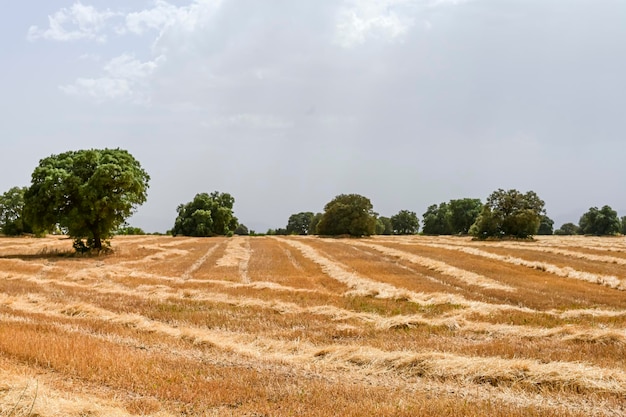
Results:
125 78
360 20
156 18
75 23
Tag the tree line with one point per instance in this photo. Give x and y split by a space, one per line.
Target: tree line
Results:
505 214
89 194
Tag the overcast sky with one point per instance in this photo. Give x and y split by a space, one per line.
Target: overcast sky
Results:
285 104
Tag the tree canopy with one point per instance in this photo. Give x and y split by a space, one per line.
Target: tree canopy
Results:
314 222
546 226
206 215
455 217
463 214
405 223
384 226
509 214
90 193
567 229
436 220
300 223
12 212
600 222
348 214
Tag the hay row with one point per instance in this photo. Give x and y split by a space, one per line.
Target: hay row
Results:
366 287
468 277
237 254
187 274
565 272
526 374
456 321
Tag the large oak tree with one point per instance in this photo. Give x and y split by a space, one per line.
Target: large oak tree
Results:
89 193
206 215
509 214
348 214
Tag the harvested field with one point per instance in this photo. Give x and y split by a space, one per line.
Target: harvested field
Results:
283 326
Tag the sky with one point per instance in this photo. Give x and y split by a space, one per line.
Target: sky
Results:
285 104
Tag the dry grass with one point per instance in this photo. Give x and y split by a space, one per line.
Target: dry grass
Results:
279 326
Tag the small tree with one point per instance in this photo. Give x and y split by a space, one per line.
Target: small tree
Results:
90 193
315 220
600 222
509 214
436 220
463 214
241 230
126 229
384 226
300 223
567 229
348 214
206 215
624 225
545 226
12 212
405 223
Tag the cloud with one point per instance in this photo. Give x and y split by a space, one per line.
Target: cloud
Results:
125 78
75 23
360 20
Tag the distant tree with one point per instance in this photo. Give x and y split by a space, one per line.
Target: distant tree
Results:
567 229
405 223
384 226
437 220
274 232
624 225
241 230
509 214
12 212
600 222
348 214
463 214
89 193
314 222
545 226
300 223
126 229
206 215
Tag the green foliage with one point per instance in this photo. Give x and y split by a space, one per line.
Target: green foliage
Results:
384 226
624 225
241 230
463 214
206 215
567 229
315 220
405 223
300 223
12 212
127 230
348 214
437 220
546 225
454 217
89 193
600 222
274 232
509 214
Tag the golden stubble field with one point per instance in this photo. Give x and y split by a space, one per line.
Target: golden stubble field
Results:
291 326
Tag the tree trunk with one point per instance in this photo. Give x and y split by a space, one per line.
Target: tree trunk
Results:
97 242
